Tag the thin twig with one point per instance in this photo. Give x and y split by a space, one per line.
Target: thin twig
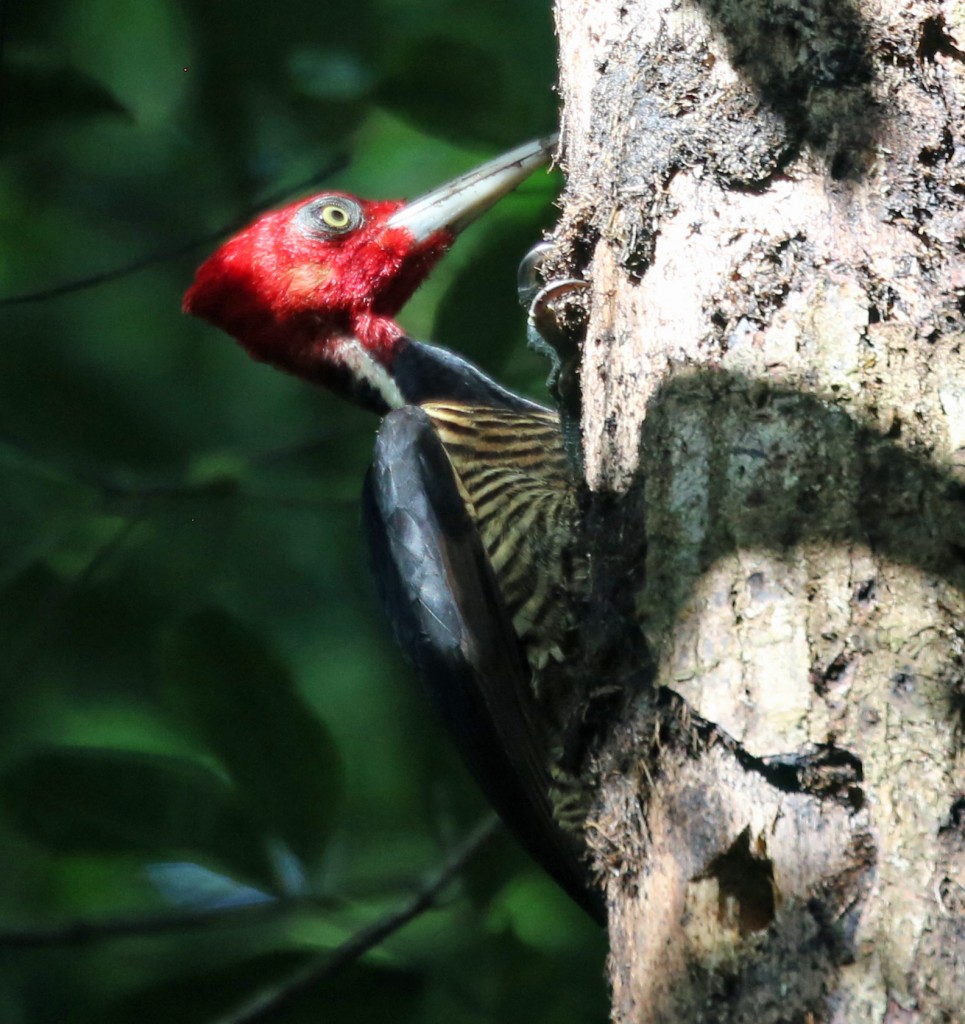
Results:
86 931
28 646
83 931
115 489
268 1002
336 164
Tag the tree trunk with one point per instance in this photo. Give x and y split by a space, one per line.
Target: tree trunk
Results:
766 199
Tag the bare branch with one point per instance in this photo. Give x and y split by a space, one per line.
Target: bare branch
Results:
336 164
84 931
268 1002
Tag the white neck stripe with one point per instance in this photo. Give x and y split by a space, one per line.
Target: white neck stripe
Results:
363 366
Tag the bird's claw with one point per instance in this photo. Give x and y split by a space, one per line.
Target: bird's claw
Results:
556 327
556 317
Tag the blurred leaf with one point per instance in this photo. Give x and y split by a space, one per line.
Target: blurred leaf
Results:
242 75
39 91
366 993
356 993
200 998
85 800
41 506
445 96
539 914
479 70
191 885
329 75
242 702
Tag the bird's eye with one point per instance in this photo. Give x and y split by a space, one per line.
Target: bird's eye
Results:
330 215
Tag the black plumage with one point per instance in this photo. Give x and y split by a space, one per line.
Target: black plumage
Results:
470 511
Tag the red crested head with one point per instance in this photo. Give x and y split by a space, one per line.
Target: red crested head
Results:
298 279
313 288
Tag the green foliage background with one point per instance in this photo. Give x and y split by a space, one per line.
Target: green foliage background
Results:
200 704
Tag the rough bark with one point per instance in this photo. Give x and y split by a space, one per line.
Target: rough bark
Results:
766 200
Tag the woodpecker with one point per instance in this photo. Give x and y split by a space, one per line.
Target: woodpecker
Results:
470 505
